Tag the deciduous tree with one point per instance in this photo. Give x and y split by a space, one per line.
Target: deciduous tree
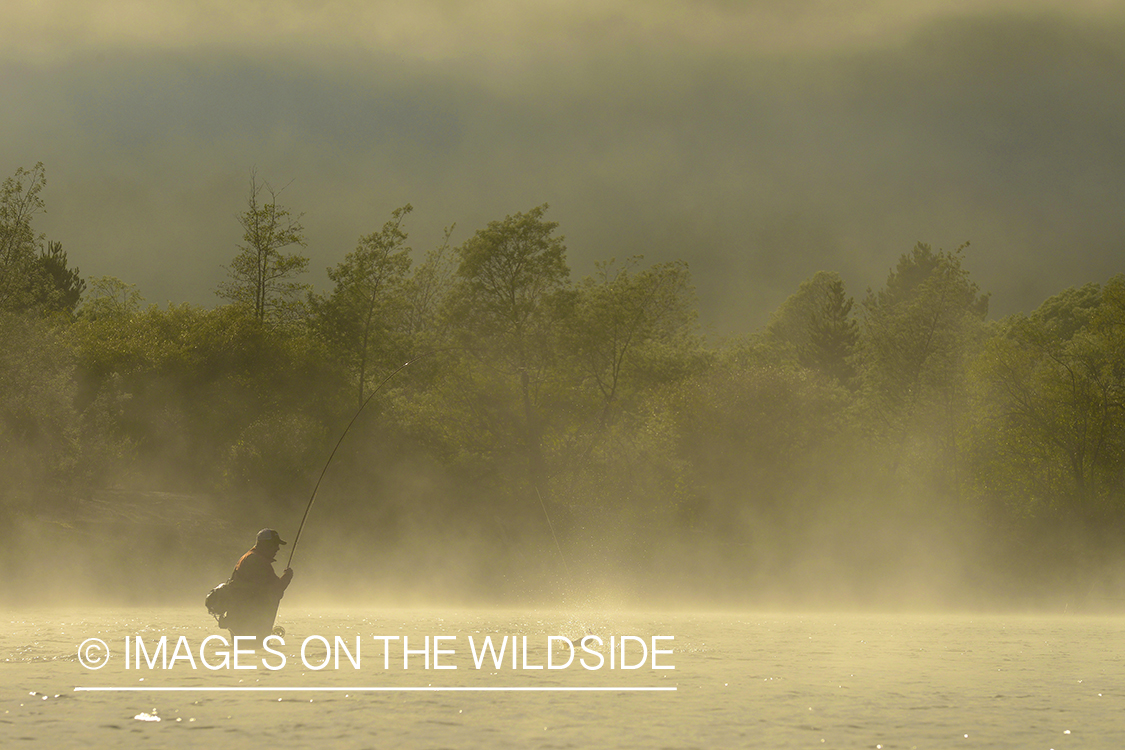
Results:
261 275
1053 406
510 279
20 202
625 319
366 314
917 336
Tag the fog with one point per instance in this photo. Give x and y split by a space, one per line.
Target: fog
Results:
760 143
411 538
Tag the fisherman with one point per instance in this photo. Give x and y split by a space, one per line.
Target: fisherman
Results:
256 589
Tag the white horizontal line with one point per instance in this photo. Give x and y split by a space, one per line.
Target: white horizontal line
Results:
368 689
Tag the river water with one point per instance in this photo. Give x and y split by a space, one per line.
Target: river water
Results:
750 680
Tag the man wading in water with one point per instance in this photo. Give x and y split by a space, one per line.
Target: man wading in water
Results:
257 589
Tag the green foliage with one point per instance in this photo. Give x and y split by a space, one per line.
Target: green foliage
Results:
832 336
260 274
1053 389
189 382
1068 312
32 277
38 422
55 286
815 328
366 317
508 273
508 299
918 333
630 327
762 442
275 454
20 202
595 405
628 334
111 298
786 334
427 291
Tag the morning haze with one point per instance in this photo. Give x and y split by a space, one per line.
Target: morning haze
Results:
758 142
807 392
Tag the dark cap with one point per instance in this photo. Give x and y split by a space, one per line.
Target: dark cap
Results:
269 535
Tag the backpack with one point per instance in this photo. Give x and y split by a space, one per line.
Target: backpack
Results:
219 601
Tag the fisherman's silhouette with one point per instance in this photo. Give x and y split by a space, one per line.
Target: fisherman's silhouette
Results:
256 589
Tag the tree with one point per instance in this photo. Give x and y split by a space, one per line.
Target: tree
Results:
366 314
260 274
55 286
832 336
38 423
511 276
622 318
210 398
427 289
916 339
110 297
768 455
1054 398
20 201
814 328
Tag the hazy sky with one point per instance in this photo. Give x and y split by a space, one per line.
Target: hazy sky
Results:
760 140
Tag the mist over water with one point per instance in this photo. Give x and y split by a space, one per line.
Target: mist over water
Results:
789 332
778 680
124 549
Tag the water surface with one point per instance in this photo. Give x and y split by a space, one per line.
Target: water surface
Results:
779 681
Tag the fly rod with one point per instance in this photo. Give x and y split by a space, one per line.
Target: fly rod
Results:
332 455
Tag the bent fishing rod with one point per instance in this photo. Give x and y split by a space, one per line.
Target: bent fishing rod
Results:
332 455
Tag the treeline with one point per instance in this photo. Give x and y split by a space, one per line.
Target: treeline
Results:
898 447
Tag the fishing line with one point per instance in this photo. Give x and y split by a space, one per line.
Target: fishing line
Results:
551 526
332 455
562 557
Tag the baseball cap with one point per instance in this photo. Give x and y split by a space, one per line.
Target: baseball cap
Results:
269 535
